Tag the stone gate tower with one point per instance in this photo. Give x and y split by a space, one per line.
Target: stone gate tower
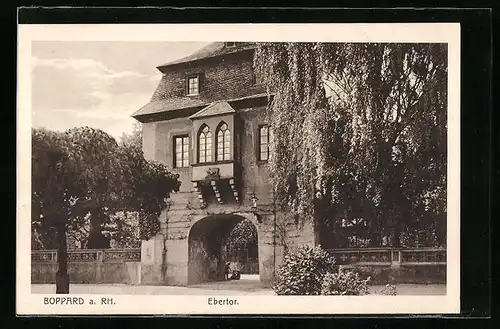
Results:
206 121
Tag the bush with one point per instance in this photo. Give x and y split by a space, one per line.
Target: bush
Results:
344 282
302 271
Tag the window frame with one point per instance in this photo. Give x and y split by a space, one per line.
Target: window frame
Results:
188 84
174 153
259 143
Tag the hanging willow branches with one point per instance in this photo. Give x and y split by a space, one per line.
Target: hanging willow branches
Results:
359 132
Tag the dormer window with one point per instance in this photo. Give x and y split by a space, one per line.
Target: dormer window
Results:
193 85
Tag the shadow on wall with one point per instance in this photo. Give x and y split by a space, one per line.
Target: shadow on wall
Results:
207 250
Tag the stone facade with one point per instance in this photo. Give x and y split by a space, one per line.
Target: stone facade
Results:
228 93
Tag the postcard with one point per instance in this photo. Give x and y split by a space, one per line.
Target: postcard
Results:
182 169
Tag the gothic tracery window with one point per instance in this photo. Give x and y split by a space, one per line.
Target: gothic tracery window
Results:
205 145
223 143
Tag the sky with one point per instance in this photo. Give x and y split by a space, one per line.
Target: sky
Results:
95 83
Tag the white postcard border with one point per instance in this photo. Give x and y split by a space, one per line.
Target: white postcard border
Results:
31 304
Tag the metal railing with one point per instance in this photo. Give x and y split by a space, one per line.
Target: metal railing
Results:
89 255
389 256
358 256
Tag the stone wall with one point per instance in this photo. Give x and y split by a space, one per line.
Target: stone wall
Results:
89 273
391 265
89 266
416 274
182 214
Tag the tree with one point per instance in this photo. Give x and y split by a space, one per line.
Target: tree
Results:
124 229
83 173
243 237
359 134
118 178
134 138
51 203
146 184
99 178
121 228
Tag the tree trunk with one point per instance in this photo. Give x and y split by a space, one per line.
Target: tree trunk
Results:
397 234
96 239
62 277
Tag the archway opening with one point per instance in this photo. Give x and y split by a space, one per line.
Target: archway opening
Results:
217 240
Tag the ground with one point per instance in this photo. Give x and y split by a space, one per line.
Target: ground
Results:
247 285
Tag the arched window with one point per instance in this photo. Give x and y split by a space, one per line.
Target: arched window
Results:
205 145
223 143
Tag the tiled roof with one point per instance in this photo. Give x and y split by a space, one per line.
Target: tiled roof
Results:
179 103
170 104
226 85
216 108
212 50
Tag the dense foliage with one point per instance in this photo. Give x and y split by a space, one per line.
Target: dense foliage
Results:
242 237
52 177
83 178
121 229
359 138
344 282
302 271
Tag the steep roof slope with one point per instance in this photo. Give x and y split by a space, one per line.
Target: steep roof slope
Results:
212 50
159 104
216 108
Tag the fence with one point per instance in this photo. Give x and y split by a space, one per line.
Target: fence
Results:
89 266
388 256
403 265
124 265
88 255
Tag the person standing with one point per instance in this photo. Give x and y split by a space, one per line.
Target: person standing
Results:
227 270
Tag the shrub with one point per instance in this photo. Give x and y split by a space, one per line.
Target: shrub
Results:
344 282
390 290
302 271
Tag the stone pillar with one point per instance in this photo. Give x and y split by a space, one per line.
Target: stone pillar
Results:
270 250
271 245
175 231
300 236
395 271
307 234
99 274
176 273
151 260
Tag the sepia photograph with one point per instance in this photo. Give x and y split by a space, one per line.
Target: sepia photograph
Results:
224 169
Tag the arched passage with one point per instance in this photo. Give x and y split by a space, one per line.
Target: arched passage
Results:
207 252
